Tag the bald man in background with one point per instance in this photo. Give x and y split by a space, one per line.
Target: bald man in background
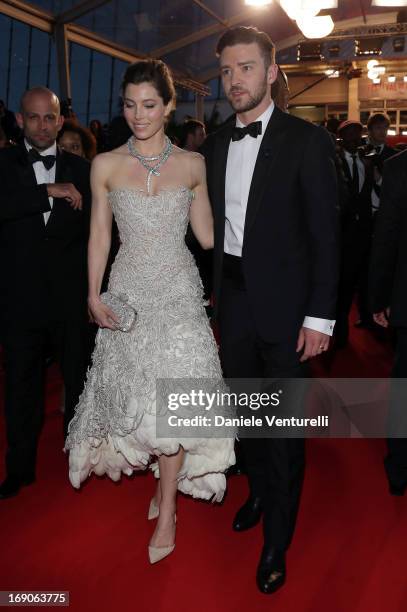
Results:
44 229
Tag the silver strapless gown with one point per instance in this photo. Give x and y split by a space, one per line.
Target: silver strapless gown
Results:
114 427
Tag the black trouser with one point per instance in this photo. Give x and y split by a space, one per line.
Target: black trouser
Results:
24 363
355 248
396 460
275 467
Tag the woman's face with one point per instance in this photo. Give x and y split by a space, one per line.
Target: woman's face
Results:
144 110
71 142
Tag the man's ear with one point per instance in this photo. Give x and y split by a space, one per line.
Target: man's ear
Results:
272 73
60 122
20 121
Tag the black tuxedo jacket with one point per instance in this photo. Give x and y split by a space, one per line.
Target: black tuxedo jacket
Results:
388 265
43 268
386 153
290 245
359 207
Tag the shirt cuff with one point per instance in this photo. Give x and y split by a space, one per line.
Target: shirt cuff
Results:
325 326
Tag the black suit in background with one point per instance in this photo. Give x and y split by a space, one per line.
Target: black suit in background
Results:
378 162
288 270
356 232
43 291
385 154
388 287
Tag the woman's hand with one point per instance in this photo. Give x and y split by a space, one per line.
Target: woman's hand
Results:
102 314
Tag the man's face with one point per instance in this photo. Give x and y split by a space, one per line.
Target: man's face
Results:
71 142
378 133
351 138
40 119
245 79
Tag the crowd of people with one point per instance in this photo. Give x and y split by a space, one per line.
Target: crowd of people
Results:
288 223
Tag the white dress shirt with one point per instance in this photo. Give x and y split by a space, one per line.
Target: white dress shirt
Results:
242 156
43 175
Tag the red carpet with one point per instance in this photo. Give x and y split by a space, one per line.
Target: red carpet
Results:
349 553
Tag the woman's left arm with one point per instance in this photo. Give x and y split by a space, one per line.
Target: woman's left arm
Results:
200 214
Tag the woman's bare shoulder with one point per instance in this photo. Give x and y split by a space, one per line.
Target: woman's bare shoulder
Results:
110 159
189 155
193 159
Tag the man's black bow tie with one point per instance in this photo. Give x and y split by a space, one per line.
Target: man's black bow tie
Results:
47 160
253 129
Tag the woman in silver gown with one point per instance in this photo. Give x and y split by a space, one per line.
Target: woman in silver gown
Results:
153 189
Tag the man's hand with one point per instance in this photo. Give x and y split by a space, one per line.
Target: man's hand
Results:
313 342
66 191
382 318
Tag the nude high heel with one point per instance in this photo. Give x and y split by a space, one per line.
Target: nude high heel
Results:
157 553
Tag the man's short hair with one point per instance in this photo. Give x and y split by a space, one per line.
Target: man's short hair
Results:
246 35
378 119
189 127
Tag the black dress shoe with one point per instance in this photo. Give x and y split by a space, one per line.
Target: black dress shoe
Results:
271 572
397 490
11 486
249 514
366 324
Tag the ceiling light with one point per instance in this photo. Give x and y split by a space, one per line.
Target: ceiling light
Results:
392 133
371 64
405 78
376 81
389 3
297 9
332 74
257 2
391 79
316 27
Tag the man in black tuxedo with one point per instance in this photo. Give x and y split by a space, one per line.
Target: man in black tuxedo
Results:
356 226
272 184
377 127
388 302
44 227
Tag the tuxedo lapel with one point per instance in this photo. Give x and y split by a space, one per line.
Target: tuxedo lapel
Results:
27 173
27 176
63 171
63 174
270 147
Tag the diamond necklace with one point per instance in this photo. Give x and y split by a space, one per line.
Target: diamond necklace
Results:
160 159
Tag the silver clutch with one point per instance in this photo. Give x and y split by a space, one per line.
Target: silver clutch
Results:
125 313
